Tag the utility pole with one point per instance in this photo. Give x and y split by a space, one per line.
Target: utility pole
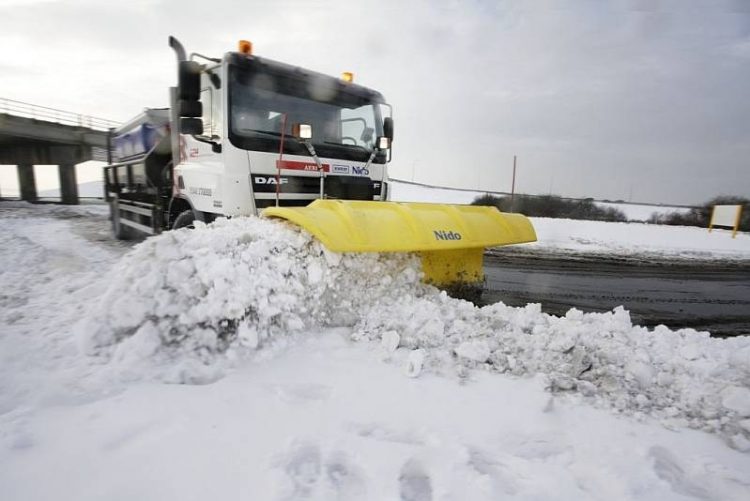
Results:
513 184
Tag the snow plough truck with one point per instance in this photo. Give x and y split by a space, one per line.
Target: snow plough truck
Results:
245 136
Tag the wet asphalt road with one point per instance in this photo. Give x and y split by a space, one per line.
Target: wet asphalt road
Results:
703 296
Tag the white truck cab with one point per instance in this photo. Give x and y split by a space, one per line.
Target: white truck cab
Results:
244 133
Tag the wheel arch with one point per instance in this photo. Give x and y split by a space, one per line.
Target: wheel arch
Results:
179 204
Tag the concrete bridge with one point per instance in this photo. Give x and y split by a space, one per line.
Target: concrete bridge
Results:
35 135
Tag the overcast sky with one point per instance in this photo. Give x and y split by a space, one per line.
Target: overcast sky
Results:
636 100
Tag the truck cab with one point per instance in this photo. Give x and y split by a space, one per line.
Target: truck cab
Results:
244 133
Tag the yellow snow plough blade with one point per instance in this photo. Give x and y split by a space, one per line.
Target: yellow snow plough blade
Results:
450 238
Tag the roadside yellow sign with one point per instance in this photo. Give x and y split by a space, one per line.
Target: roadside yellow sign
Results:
727 216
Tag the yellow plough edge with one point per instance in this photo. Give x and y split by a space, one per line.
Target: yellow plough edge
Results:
450 238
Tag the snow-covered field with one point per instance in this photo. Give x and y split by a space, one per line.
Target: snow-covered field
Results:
637 239
243 361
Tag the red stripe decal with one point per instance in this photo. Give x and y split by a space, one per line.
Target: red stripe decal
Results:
294 165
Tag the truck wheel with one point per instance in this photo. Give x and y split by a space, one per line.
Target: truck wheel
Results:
120 231
184 220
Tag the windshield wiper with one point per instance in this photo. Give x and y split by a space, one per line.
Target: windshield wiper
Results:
266 132
269 133
348 145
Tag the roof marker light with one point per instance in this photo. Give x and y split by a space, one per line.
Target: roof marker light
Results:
246 47
347 76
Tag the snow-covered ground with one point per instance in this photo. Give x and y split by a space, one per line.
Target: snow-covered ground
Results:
637 239
310 375
407 192
90 189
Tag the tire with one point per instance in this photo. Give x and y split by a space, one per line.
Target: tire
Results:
184 219
119 230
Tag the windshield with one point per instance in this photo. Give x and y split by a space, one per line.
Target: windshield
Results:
344 124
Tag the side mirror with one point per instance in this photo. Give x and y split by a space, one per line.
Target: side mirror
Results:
388 128
302 131
188 80
189 108
383 143
192 126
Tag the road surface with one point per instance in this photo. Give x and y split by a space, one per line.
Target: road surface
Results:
703 296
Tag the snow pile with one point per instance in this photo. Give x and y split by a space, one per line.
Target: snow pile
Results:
185 303
179 299
684 378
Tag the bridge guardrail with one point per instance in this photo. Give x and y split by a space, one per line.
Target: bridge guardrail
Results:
34 111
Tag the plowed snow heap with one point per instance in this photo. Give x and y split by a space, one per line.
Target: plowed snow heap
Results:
184 304
239 283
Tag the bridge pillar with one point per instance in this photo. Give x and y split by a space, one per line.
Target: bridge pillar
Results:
68 184
27 182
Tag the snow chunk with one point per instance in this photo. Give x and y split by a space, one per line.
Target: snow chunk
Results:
690 352
477 351
737 399
143 344
414 362
248 335
390 341
641 372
